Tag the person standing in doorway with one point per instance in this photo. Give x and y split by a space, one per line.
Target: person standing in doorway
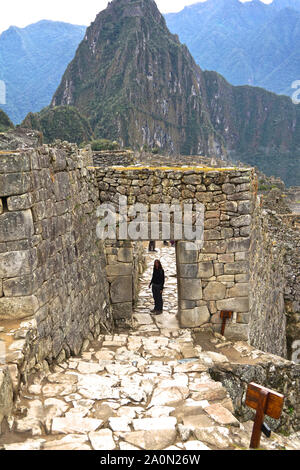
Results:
157 283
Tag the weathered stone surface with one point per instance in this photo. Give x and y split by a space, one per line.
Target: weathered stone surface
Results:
185 254
214 291
6 394
12 308
216 436
190 289
19 203
221 415
194 317
190 271
30 444
70 442
14 183
102 440
75 425
151 440
236 304
239 290
206 269
16 263
121 289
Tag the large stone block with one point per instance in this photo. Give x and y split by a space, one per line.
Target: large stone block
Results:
14 163
215 246
241 221
19 203
6 394
190 271
122 311
16 226
206 269
187 252
125 255
119 269
235 331
214 291
12 308
237 267
239 290
190 289
19 286
238 244
236 304
14 183
195 317
121 290
17 263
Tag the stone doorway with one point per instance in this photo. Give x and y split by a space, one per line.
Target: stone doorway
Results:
144 303
129 271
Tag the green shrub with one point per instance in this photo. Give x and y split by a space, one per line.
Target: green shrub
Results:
104 144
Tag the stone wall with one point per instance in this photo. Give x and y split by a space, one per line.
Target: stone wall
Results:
268 320
275 286
106 158
268 370
217 278
52 270
124 263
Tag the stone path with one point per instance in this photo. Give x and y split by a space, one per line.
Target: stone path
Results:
144 389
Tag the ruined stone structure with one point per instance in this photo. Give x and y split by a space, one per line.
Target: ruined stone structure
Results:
60 286
52 270
214 278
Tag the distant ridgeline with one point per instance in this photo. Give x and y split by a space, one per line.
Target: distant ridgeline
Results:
133 82
249 43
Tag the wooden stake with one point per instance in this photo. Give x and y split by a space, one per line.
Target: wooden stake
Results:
265 402
224 315
259 418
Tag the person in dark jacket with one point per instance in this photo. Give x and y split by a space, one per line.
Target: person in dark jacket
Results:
157 283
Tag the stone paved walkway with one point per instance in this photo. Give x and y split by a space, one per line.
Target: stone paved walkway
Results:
144 389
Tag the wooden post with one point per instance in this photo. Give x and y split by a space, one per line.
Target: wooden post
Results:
259 419
264 401
224 315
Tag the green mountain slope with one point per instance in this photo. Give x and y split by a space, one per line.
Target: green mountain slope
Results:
136 83
61 122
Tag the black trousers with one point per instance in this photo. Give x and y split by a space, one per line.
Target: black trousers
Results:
151 245
157 295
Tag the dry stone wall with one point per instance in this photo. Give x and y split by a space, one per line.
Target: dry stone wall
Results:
217 277
52 269
275 287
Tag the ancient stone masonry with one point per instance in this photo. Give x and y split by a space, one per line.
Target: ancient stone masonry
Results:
275 287
52 270
124 263
216 277
104 158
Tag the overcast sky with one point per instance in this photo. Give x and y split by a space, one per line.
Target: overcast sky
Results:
21 13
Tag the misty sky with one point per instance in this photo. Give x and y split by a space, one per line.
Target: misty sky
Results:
21 13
